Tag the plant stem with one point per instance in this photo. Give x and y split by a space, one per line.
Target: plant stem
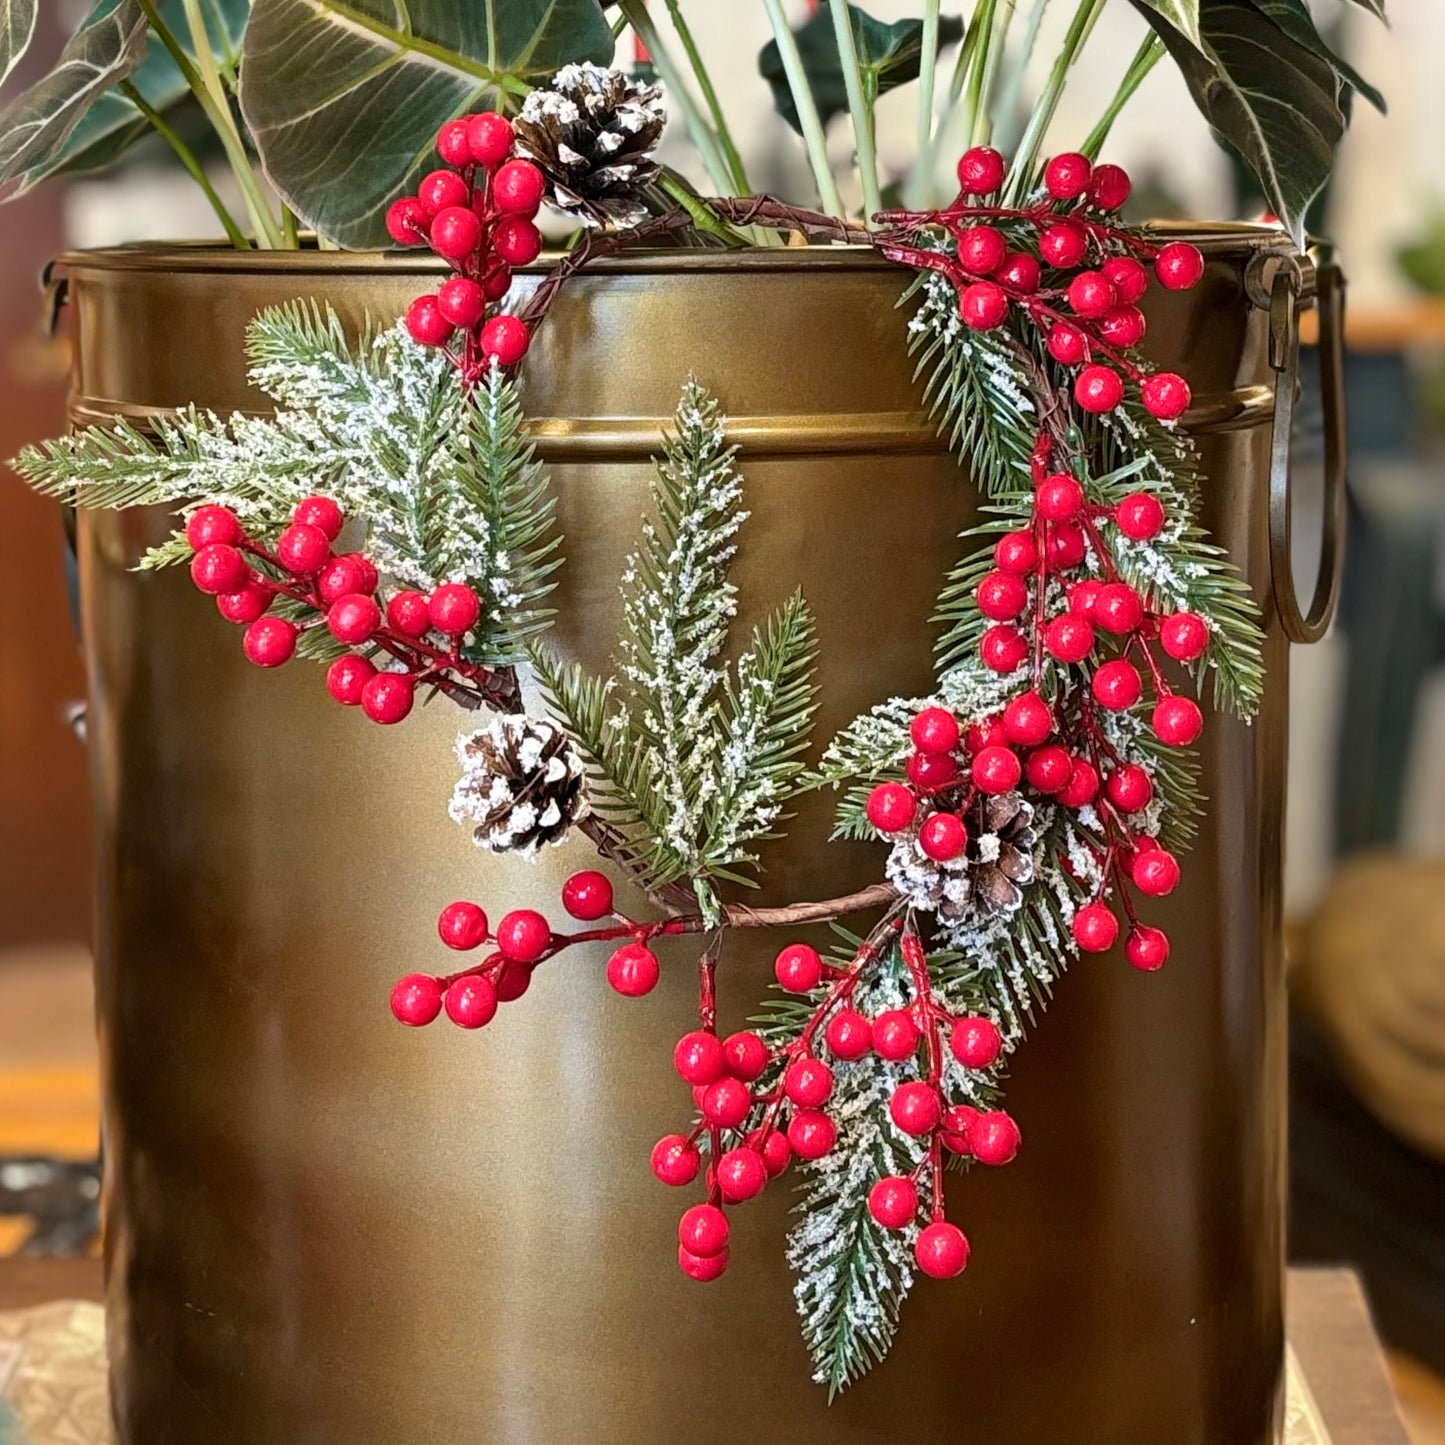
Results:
1007 107
859 108
807 109
928 65
978 65
188 159
709 94
288 228
704 218
965 58
992 53
1145 59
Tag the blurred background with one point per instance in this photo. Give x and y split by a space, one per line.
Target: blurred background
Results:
1366 839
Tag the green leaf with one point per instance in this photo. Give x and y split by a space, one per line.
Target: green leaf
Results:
17 27
888 56
1183 15
1295 20
35 126
343 101
1272 98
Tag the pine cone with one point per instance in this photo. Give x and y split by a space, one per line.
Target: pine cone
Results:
593 134
522 786
1000 851
941 888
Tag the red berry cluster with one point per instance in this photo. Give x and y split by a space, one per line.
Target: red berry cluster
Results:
476 213
422 634
1061 263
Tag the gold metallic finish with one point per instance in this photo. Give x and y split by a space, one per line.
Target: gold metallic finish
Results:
326 1229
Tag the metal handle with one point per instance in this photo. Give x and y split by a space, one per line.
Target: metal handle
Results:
1284 359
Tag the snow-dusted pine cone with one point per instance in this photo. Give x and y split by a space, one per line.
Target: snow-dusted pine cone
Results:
522 786
593 134
1000 851
941 888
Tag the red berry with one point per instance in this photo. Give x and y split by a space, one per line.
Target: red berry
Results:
703 1268
517 188
1179 266
914 1108
895 1035
703 1230
212 525
1027 720
1129 279
954 1127
1095 928
516 241
1177 721
461 302
981 250
1117 608
303 549
353 619
976 1043
387 697
1098 389
1122 327
1117 685
269 642
453 608
934 730
1155 872
1015 553
994 1138
1092 294
811 1133
440 189
931 771
941 1250
1069 638
633 970
505 339
1002 648
698 1057
513 981
893 1201
1165 395
462 926
808 1083
497 282
1129 788
523 936
407 613
848 1035
406 222
983 305
1109 187
986 734
1049 769
741 1175
452 144
942 837
471 1002
997 770
891 807
1147 948
1184 636
1020 273
1063 245
347 677
369 576
588 896
980 171
1001 596
425 322
455 232
1067 176
1059 498
245 605
1082 787
799 968
675 1161
745 1055
416 1000
489 137
774 1148
1067 344
1140 516
1082 596
341 577
218 567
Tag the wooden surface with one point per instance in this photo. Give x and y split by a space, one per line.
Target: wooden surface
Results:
1329 1327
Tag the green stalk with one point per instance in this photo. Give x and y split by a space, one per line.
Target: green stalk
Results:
964 62
992 54
859 107
1145 59
978 65
928 64
807 109
709 94
704 218
1007 107
188 159
1026 158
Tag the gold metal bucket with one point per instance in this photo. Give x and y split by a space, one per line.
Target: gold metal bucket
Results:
323 1228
